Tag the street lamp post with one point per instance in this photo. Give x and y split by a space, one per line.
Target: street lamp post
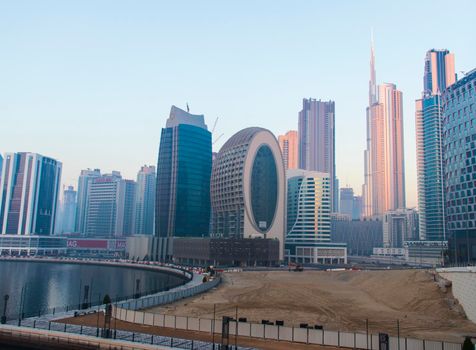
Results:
4 316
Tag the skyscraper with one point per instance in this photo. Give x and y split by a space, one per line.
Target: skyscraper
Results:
109 207
248 187
317 141
183 178
145 201
357 208
384 187
346 201
130 187
309 210
439 73
84 180
29 194
308 233
459 152
399 226
68 210
290 149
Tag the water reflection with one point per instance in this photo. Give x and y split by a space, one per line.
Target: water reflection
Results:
49 285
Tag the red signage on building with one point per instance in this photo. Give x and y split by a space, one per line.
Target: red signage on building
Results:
87 243
106 244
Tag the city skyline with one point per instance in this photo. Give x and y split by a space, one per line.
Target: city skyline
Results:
108 86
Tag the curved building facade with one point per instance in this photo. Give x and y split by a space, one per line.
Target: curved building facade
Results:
248 187
308 237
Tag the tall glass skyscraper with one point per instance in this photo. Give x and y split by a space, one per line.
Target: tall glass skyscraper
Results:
183 177
145 201
439 74
317 141
68 210
384 187
459 159
29 191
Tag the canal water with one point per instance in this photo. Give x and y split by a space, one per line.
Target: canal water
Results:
56 285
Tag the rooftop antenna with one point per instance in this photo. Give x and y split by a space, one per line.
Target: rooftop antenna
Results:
188 108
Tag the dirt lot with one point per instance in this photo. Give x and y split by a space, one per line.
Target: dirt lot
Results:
91 320
338 300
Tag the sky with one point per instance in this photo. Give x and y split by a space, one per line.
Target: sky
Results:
91 83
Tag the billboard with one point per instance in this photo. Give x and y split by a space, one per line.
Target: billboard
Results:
99 244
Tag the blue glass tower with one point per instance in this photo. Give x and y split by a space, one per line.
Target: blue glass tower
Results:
459 142
183 177
438 75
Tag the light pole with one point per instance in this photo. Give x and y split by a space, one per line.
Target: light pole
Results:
4 316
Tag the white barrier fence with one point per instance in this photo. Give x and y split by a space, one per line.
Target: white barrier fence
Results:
167 296
352 340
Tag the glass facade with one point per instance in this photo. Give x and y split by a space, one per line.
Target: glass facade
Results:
432 182
47 195
183 181
29 191
192 198
460 153
264 188
438 75
459 142
164 183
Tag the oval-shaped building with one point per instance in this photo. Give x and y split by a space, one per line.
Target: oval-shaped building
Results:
248 187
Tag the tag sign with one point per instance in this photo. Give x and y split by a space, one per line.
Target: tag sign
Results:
262 224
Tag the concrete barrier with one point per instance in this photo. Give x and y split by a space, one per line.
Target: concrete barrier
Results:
257 330
347 339
286 333
315 336
463 281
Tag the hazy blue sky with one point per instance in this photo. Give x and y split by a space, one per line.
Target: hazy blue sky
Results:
91 82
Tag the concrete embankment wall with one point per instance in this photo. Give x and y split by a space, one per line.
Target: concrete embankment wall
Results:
463 280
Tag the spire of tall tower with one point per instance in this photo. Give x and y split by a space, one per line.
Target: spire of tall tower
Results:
372 81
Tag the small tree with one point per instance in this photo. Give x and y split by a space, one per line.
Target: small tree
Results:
467 344
107 299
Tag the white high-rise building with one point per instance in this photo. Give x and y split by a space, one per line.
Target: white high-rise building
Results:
109 208
308 238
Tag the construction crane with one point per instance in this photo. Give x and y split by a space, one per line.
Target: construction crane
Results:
218 138
215 125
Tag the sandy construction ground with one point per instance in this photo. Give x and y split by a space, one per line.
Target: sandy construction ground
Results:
338 300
